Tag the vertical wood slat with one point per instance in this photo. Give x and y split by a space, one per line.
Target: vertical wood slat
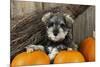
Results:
51 5
84 25
20 8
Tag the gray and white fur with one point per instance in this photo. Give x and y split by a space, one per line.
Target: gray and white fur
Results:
58 34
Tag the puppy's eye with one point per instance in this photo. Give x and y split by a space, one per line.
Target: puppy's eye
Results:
50 24
62 25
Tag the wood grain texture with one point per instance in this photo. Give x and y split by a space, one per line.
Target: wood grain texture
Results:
84 25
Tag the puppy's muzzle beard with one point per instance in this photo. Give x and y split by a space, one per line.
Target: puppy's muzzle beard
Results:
55 32
56 35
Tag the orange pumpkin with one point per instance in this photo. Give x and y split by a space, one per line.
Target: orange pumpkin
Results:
33 58
69 57
87 48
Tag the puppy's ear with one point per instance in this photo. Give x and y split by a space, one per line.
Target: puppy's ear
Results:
69 18
46 17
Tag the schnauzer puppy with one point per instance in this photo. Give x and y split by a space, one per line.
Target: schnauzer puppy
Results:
58 34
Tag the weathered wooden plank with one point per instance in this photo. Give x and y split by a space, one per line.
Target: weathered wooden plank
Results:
84 25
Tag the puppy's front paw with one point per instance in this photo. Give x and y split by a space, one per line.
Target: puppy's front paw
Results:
39 47
31 48
69 49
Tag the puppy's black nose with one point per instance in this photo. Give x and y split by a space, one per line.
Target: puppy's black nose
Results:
55 32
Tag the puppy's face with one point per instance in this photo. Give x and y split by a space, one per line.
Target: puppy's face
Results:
57 27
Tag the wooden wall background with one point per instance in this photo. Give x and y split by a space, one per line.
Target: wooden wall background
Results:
84 24
20 8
